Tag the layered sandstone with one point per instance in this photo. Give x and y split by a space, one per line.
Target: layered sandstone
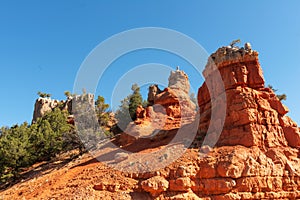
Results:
168 109
258 145
174 102
256 152
253 115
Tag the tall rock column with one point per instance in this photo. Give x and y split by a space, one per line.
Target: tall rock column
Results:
254 116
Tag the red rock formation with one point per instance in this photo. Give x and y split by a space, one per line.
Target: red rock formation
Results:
257 152
267 165
44 105
168 109
253 114
174 101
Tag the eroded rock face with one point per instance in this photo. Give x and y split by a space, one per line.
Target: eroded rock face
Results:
155 185
178 80
258 146
257 154
175 102
42 106
168 109
153 91
227 172
254 116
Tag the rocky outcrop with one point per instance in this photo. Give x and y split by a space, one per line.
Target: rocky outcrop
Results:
254 116
152 93
42 106
155 185
168 109
178 80
256 154
258 146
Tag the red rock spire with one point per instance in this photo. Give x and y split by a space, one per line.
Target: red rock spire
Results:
254 116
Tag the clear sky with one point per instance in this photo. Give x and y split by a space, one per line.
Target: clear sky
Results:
43 43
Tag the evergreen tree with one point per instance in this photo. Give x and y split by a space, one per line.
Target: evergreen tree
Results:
47 134
127 110
123 115
281 97
67 94
21 146
43 95
14 151
101 111
135 100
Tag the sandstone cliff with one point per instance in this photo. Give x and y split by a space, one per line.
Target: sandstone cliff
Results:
254 116
248 147
254 150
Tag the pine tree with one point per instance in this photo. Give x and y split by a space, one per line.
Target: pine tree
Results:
21 146
14 151
47 134
281 97
127 110
101 111
135 100
67 94
43 95
122 115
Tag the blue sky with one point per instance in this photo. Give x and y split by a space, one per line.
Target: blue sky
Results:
43 43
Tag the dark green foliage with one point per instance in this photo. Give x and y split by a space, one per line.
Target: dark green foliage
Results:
14 150
43 95
281 97
101 111
145 103
24 145
122 115
67 93
47 134
135 100
21 146
127 110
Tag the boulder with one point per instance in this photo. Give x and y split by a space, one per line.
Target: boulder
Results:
42 106
155 185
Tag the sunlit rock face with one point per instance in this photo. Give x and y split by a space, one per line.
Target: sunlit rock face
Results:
167 109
